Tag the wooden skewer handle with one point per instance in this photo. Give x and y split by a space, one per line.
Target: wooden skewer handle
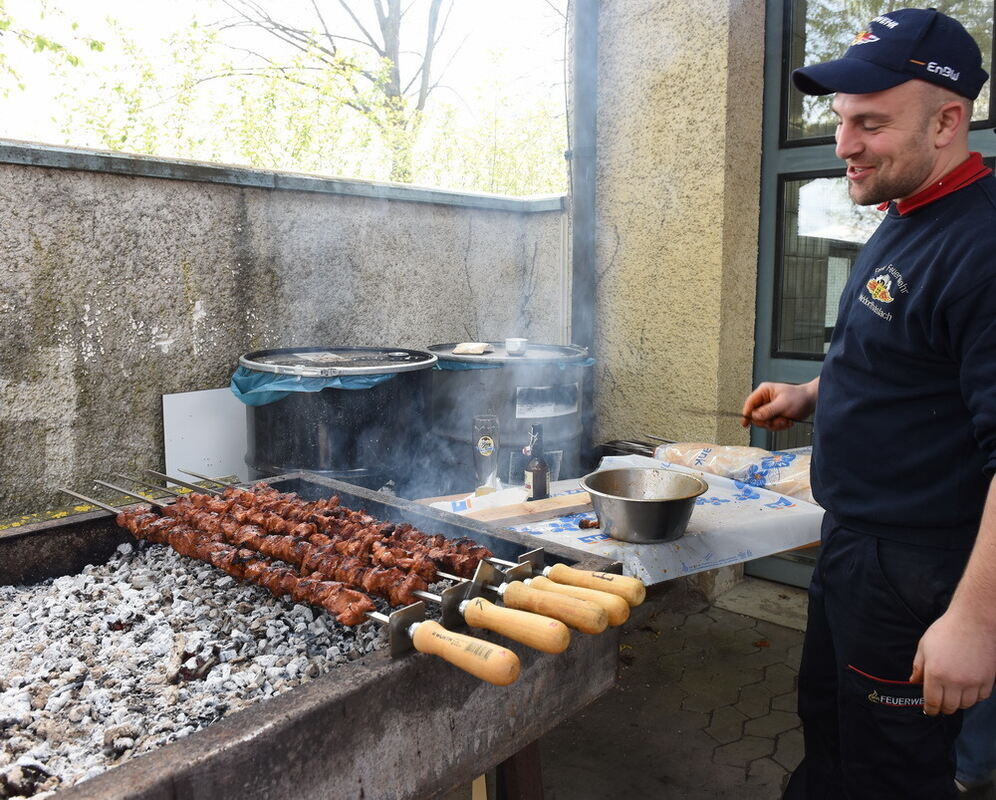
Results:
489 662
629 589
615 607
579 614
540 633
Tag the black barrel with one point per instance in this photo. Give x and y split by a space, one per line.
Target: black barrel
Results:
543 386
367 436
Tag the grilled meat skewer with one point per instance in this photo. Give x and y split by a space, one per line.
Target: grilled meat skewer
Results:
347 605
288 514
394 584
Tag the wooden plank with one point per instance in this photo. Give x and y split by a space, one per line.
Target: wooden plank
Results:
533 510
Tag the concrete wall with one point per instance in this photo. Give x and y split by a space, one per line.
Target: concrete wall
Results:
116 289
679 110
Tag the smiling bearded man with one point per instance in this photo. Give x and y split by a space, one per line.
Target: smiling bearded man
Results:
902 605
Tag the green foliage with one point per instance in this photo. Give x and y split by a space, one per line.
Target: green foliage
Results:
202 105
12 33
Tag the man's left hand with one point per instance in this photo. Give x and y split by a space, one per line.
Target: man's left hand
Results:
956 663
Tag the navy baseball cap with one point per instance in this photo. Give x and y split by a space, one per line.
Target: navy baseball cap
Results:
897 47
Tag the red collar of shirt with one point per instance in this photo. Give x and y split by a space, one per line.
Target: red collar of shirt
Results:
969 171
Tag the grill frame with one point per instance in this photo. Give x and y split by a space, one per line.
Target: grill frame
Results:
397 729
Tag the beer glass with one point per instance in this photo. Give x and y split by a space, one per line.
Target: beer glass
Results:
485 440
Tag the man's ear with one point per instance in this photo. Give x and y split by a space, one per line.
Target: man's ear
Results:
948 121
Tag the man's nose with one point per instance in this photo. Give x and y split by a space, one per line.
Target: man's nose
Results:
849 142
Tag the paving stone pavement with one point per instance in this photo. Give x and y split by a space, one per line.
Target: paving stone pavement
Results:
704 709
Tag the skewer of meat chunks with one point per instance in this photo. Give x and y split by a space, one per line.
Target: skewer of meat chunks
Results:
357 532
347 605
369 547
316 556
458 555
311 558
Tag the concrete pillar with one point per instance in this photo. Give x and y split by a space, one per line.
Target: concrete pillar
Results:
678 175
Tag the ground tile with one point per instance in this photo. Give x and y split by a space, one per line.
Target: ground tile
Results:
789 749
721 641
696 624
755 700
765 772
726 725
785 702
777 635
720 682
703 703
780 678
730 620
741 752
772 724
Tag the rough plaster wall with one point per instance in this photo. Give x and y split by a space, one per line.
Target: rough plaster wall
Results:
679 110
115 290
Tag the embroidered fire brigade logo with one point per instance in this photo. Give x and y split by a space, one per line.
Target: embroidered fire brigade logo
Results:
864 38
887 700
880 288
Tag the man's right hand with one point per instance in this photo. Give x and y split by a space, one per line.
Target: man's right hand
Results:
776 406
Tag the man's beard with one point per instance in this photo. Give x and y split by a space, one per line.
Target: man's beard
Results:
895 187
883 193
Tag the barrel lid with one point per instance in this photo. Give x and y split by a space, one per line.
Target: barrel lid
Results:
328 362
535 354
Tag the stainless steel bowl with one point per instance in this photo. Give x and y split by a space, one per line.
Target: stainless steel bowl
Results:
645 505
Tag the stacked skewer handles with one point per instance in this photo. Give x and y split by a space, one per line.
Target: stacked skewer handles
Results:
536 610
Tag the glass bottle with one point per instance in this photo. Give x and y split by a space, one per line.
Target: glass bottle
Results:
486 453
537 473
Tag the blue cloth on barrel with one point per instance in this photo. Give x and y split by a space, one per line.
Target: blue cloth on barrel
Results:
259 388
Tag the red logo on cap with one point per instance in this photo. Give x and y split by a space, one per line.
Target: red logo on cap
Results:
864 38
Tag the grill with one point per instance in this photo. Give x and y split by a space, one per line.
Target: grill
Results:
405 727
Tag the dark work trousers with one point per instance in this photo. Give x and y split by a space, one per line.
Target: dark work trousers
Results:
866 736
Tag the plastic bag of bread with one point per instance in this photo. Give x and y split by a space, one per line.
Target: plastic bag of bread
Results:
785 473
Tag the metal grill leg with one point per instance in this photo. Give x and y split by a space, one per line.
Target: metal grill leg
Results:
521 776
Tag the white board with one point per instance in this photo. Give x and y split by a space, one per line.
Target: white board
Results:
205 432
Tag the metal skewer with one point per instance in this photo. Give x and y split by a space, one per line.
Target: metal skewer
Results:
206 478
533 630
408 628
130 493
738 415
185 484
583 615
530 565
616 607
89 500
148 485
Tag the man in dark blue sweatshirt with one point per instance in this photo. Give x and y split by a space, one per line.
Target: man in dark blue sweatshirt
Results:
902 616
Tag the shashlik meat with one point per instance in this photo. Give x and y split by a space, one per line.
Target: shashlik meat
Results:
460 556
348 605
394 584
369 547
355 531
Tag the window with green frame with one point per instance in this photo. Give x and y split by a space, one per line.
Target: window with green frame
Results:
815 31
811 232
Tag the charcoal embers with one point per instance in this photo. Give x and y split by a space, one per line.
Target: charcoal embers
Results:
125 657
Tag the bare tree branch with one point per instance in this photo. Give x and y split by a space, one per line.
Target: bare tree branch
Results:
430 47
325 28
393 107
356 20
559 11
